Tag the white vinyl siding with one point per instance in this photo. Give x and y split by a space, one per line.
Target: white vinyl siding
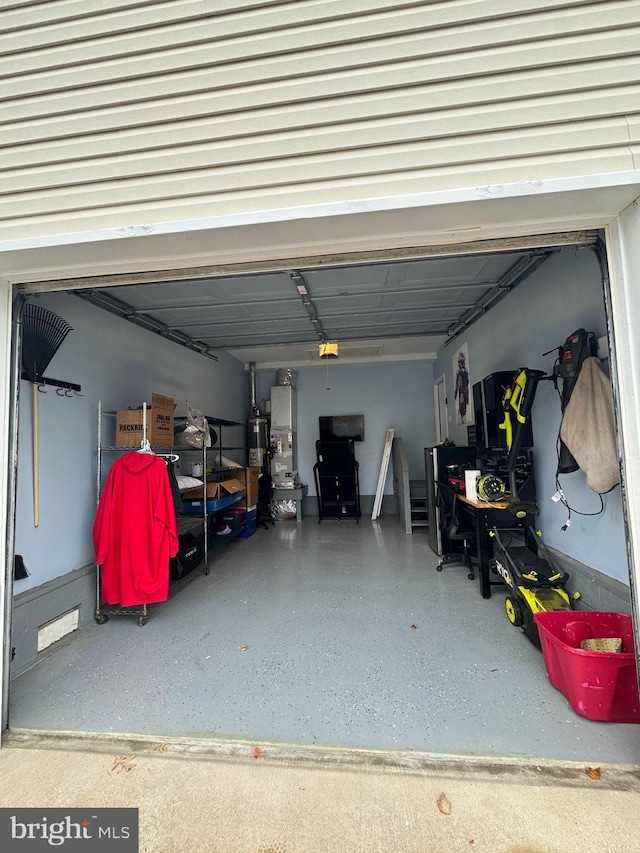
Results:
128 112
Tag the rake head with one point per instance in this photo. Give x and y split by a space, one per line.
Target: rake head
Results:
43 332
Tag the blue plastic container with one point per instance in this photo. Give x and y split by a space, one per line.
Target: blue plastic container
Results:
251 524
195 507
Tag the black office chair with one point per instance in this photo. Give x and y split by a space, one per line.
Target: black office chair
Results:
454 529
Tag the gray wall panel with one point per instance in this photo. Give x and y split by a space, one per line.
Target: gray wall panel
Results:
121 365
563 295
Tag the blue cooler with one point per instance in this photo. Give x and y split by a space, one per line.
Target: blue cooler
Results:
252 524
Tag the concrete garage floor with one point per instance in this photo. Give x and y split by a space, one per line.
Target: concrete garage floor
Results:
332 659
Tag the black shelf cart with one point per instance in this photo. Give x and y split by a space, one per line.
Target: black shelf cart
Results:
337 480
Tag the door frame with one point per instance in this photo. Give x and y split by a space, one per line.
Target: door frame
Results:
6 442
622 298
622 295
440 383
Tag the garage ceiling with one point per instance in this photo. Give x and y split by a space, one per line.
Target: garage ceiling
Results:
392 310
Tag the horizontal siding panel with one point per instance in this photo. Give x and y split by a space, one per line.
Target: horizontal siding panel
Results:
40 23
203 42
120 112
263 86
529 117
488 180
73 22
99 18
482 95
225 43
173 22
224 95
395 158
90 14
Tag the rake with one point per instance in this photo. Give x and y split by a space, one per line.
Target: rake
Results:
42 334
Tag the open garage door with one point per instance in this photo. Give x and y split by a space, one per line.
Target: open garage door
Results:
155 299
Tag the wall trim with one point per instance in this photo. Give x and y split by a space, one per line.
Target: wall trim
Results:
597 590
331 209
35 592
41 604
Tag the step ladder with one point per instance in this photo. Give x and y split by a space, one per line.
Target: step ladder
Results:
410 494
418 501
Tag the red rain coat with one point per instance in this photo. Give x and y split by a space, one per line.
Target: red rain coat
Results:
135 533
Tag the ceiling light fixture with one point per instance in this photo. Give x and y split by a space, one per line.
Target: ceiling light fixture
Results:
328 350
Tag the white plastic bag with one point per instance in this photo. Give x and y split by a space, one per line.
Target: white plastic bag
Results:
283 510
192 431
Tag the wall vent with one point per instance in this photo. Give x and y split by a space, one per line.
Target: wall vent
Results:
58 628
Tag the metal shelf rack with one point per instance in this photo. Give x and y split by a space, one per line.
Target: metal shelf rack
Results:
185 523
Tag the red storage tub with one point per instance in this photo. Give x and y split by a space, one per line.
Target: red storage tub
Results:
601 686
234 517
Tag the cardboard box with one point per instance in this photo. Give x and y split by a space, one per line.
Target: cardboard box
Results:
159 424
250 478
214 490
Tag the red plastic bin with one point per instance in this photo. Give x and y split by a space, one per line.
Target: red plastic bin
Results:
601 686
234 517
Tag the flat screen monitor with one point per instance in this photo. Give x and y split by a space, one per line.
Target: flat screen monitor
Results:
335 427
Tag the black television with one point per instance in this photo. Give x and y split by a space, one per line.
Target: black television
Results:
335 427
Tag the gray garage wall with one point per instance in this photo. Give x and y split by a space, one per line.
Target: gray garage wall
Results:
122 365
563 295
398 395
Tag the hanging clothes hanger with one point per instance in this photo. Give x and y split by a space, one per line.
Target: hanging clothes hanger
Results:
145 445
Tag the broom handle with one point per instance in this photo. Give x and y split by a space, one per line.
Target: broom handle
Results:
36 478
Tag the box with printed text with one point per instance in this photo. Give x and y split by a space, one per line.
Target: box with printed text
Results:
129 424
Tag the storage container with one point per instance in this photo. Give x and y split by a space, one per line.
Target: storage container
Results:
196 507
234 518
252 524
601 686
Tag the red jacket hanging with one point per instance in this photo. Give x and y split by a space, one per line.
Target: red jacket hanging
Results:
135 532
